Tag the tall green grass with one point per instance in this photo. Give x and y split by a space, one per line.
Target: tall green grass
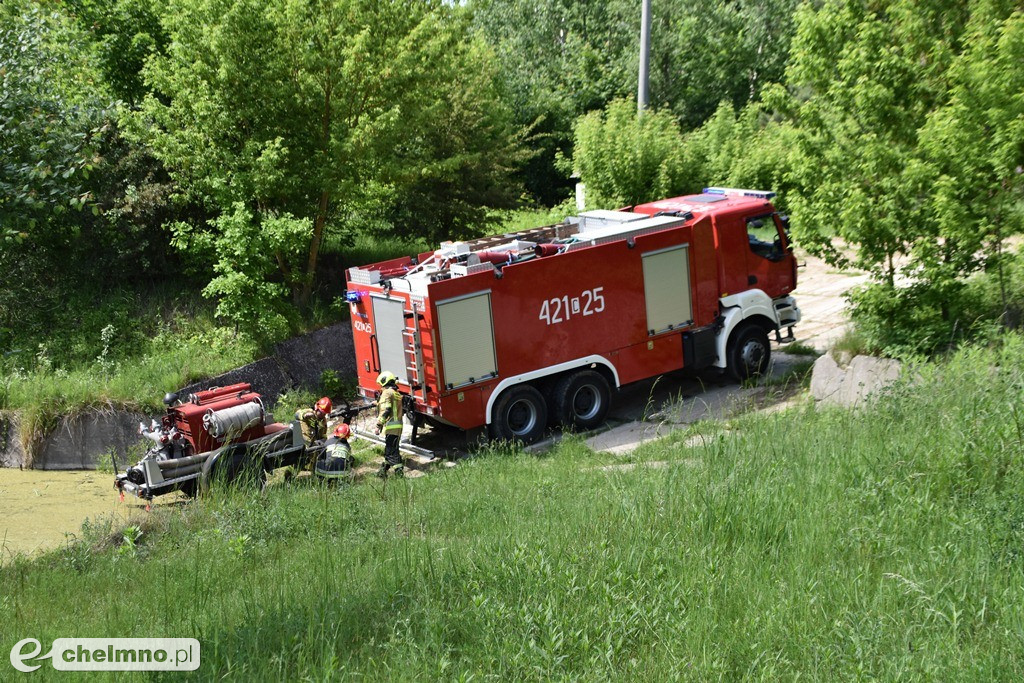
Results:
885 542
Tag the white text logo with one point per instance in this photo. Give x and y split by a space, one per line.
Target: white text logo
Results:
109 654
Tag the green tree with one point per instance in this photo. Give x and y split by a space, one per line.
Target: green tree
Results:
251 251
864 81
53 113
565 58
709 52
125 33
54 118
976 143
560 59
318 109
908 148
745 148
462 166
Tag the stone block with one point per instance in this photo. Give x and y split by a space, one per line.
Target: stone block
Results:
826 379
866 377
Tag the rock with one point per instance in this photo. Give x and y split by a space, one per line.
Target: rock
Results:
826 378
80 441
865 377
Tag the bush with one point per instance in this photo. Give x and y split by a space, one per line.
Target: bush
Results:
916 320
625 158
928 318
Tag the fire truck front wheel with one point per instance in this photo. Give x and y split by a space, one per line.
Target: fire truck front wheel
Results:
749 352
582 399
520 414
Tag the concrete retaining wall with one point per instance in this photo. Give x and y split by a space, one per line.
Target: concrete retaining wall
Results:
80 442
11 452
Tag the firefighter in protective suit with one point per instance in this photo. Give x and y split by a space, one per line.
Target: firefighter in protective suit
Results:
389 423
313 422
336 460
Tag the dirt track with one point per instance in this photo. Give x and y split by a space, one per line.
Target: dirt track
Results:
819 294
40 509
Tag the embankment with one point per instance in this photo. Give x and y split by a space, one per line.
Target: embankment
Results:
83 440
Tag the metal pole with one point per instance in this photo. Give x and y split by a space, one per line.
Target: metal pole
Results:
642 95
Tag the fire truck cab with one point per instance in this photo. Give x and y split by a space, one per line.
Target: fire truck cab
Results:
521 331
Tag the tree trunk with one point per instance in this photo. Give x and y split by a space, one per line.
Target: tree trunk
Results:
325 197
314 249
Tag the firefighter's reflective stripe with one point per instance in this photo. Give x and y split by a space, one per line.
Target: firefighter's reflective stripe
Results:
389 412
339 450
336 461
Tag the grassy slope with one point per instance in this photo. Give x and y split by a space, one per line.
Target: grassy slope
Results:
826 543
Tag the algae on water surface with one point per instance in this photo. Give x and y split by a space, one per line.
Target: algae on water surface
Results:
39 509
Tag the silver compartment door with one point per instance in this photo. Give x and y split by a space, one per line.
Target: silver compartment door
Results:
667 288
389 328
467 339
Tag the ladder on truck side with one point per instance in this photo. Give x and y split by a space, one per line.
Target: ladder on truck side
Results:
416 377
414 353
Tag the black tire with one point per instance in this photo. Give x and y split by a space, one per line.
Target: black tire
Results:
581 400
520 414
749 352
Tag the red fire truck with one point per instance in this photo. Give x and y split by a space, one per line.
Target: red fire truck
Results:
524 330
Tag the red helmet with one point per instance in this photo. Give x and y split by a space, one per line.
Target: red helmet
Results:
342 431
324 405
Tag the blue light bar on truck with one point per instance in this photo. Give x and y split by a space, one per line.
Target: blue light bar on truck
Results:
760 194
353 297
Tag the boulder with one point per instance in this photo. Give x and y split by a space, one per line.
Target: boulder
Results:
864 377
826 378
867 376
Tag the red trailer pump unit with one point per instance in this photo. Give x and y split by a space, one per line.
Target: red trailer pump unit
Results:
521 330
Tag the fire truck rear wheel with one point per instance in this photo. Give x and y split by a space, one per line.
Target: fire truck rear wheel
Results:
749 352
519 415
582 399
